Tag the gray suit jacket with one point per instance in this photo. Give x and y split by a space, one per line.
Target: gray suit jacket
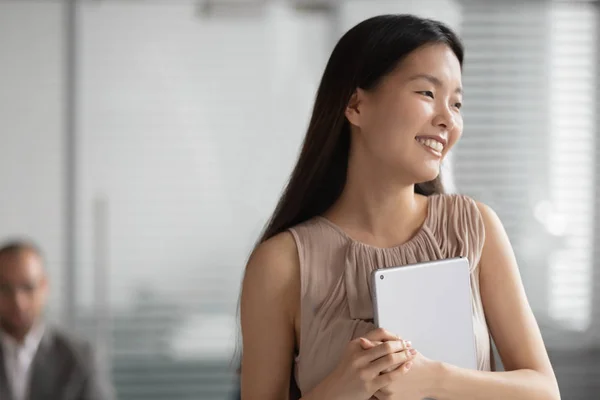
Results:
63 369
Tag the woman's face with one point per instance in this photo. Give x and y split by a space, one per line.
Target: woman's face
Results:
410 121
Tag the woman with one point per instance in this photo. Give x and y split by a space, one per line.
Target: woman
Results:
366 194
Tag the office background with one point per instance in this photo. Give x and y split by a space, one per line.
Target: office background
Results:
143 144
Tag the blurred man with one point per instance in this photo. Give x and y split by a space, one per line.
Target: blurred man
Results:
37 361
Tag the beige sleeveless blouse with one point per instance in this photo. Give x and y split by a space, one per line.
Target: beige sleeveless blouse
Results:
336 302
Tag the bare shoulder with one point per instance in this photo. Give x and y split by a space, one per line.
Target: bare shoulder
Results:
278 248
273 274
494 229
486 211
497 244
274 262
269 304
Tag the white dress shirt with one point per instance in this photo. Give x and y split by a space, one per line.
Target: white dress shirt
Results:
18 358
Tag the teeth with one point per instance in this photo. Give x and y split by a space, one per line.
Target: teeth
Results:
433 144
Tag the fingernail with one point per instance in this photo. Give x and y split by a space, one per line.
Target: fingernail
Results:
408 343
407 365
413 351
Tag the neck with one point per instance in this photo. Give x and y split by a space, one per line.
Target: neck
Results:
377 204
18 335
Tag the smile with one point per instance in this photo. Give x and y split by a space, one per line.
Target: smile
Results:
432 145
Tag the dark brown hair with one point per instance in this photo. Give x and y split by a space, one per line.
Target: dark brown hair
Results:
361 59
19 246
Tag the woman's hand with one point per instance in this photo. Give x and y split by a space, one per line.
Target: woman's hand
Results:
361 371
415 386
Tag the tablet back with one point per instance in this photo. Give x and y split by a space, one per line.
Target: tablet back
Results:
430 305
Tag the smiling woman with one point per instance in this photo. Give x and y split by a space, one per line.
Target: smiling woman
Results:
366 194
418 100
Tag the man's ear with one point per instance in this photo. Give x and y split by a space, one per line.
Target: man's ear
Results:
354 106
44 285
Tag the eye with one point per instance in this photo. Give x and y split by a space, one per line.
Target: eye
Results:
458 105
427 93
29 288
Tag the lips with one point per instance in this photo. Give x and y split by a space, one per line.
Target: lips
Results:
433 144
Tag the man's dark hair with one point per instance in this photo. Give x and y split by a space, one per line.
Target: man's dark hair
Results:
19 246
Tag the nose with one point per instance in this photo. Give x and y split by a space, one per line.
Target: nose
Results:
445 119
19 300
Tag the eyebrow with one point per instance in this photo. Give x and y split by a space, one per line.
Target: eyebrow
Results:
433 80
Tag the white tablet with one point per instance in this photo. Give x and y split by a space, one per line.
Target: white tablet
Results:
430 305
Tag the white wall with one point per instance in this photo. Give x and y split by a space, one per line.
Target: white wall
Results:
189 129
31 149
354 11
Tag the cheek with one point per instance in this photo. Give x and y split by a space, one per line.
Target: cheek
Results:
455 135
39 301
394 124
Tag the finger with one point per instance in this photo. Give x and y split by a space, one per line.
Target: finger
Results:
386 348
387 371
379 395
395 367
366 344
369 344
374 342
381 335
391 361
385 379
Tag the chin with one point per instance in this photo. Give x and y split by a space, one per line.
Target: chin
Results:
417 171
21 325
427 176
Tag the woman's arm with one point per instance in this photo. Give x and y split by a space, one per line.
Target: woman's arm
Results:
270 296
529 374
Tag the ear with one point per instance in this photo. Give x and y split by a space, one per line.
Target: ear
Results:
44 284
353 109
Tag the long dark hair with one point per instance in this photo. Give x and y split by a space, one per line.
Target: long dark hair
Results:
361 58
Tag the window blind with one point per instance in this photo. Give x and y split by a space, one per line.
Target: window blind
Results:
573 65
528 147
529 150
595 328
503 157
